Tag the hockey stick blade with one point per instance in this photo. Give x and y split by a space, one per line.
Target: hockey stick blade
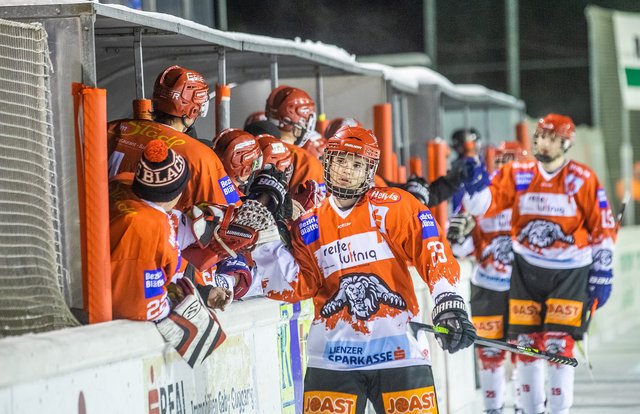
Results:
519 349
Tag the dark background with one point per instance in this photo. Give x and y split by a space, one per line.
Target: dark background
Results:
554 54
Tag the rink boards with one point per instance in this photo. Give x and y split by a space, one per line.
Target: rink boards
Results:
125 366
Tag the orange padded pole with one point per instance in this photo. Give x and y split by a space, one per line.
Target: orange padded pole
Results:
143 109
437 151
402 174
522 136
383 128
394 166
415 166
223 107
92 135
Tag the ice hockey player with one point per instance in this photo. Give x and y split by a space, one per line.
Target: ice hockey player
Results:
145 255
294 112
180 97
465 143
240 154
350 257
490 242
563 235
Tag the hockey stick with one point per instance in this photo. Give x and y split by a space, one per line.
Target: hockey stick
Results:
583 345
519 349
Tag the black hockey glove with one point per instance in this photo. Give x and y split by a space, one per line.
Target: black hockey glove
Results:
460 227
270 188
449 312
419 188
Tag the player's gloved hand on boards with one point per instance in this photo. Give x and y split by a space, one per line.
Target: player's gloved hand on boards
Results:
449 312
269 187
237 272
419 188
476 177
460 227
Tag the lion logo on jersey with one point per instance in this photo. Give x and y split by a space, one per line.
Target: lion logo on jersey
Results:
500 249
362 294
543 233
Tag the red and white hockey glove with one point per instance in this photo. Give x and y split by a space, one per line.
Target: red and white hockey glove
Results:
309 194
216 235
191 328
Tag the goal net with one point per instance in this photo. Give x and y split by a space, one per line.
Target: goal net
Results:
31 272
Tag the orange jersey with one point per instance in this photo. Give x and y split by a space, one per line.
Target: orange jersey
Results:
144 255
353 263
560 220
305 167
208 180
493 252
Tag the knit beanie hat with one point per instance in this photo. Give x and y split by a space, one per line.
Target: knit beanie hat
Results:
161 174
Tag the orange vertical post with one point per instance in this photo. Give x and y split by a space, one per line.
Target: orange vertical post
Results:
223 107
394 166
415 166
522 136
143 109
437 151
402 174
383 128
91 135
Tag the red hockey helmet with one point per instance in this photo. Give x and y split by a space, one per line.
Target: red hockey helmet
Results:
509 151
275 152
338 123
181 92
239 152
255 117
560 125
347 150
293 110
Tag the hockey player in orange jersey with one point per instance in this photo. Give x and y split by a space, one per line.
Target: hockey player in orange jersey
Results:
180 96
350 257
145 255
563 234
294 112
489 240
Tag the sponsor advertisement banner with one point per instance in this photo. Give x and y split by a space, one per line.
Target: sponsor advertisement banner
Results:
626 29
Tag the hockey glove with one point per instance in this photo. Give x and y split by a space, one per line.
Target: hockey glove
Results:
308 194
419 188
449 312
476 176
191 327
221 238
270 188
460 227
236 271
600 285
